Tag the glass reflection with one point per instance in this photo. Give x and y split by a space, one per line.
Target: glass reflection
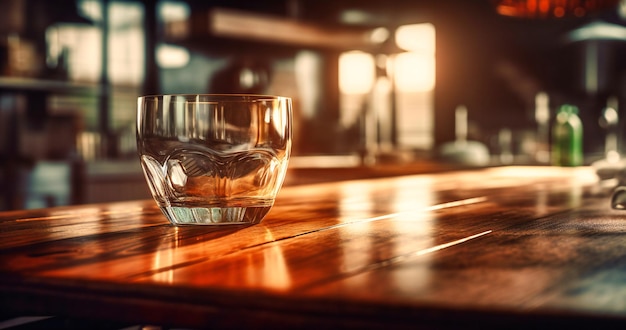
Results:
207 259
273 272
165 257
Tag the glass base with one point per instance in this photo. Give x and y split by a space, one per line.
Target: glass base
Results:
215 215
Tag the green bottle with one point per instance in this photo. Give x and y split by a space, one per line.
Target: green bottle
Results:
567 137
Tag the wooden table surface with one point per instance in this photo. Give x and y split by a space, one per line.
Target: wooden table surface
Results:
507 246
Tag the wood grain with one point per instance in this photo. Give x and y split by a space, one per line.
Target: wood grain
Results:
530 246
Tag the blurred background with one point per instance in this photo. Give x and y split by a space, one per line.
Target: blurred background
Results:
373 82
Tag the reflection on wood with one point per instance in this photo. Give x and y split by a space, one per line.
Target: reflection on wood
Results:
534 246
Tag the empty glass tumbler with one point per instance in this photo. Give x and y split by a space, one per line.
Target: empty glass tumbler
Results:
214 159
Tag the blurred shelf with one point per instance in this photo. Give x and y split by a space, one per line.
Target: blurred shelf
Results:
45 85
232 27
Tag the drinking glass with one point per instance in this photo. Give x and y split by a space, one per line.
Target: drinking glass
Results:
214 159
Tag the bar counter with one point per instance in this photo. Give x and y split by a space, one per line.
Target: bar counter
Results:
500 247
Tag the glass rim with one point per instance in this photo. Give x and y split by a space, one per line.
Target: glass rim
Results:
216 97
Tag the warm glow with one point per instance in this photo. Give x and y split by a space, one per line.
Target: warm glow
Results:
416 37
379 35
356 72
82 44
169 56
551 8
415 72
173 11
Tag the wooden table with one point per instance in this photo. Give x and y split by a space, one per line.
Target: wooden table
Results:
499 247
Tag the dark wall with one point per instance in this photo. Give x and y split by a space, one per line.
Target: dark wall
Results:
495 65
478 65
